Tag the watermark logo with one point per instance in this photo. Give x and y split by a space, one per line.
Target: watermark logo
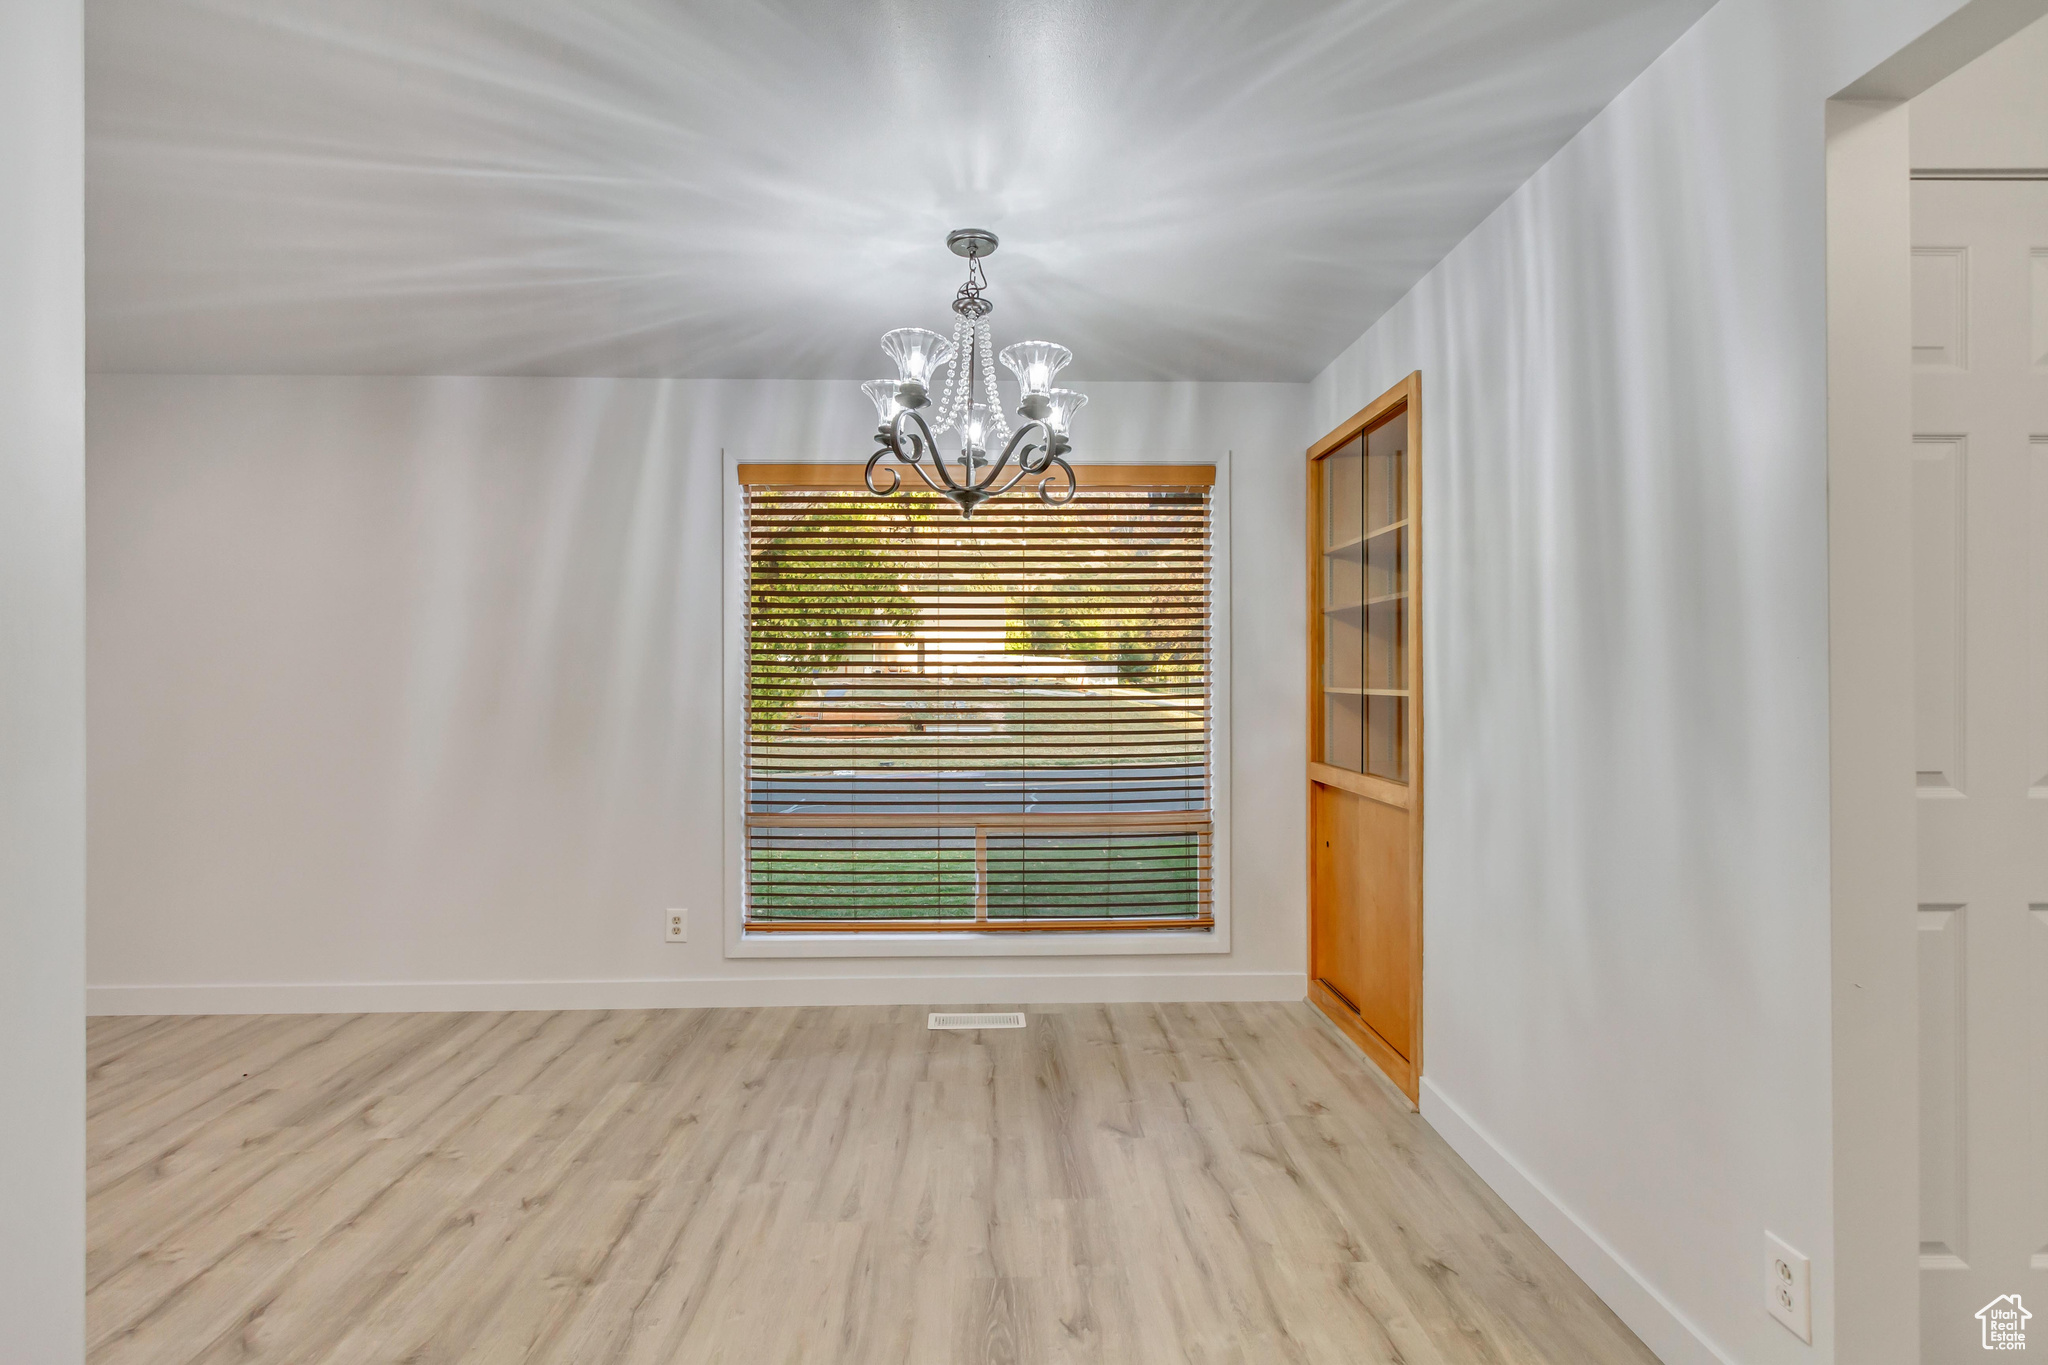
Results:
2005 1323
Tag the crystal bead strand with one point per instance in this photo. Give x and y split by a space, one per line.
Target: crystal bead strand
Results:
963 357
944 414
945 394
962 390
963 364
988 374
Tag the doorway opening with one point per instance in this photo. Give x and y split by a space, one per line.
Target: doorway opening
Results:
1938 564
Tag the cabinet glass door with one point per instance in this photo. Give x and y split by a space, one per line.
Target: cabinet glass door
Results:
1365 604
1343 604
1384 561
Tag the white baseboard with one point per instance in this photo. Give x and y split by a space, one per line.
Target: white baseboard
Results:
1667 1332
394 997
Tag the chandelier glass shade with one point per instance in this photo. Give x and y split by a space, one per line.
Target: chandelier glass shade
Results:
918 354
1060 407
970 405
1035 363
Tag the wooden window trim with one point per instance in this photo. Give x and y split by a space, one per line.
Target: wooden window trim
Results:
758 925
1086 475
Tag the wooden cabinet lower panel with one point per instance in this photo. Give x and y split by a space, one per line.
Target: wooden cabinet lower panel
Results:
1363 922
1398 1069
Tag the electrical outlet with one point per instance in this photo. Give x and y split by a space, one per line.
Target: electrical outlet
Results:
677 926
1788 1287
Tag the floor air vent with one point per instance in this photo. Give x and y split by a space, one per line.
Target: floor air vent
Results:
976 1021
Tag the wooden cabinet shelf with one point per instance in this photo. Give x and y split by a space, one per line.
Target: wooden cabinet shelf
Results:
1351 548
1381 600
1365 691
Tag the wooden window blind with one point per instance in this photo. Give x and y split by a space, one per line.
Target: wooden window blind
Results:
996 724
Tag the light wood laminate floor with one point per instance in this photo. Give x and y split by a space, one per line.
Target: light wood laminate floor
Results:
1123 1183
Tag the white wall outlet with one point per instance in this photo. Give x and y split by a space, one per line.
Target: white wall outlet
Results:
1788 1287
676 926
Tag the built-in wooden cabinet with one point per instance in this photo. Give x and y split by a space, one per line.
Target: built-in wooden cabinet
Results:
1365 731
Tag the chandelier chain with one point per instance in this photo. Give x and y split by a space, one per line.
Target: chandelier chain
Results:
969 303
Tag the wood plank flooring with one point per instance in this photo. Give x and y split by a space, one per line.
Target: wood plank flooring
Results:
1122 1183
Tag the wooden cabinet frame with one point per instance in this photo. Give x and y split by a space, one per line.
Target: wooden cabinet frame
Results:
1402 400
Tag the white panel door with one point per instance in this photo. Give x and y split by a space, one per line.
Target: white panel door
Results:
1980 641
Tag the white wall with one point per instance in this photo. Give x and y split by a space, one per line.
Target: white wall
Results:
1627 989
42 713
1992 114
406 692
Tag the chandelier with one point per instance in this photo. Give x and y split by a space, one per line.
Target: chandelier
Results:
970 405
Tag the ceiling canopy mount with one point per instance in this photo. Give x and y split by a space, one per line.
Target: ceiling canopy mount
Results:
971 242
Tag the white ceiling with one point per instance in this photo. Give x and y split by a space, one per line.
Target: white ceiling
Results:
1186 189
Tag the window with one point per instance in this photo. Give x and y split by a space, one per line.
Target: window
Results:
996 724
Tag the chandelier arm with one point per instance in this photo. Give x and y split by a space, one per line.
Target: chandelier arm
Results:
1045 494
1046 452
918 446
1073 484
895 479
1024 465
929 481
1016 478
